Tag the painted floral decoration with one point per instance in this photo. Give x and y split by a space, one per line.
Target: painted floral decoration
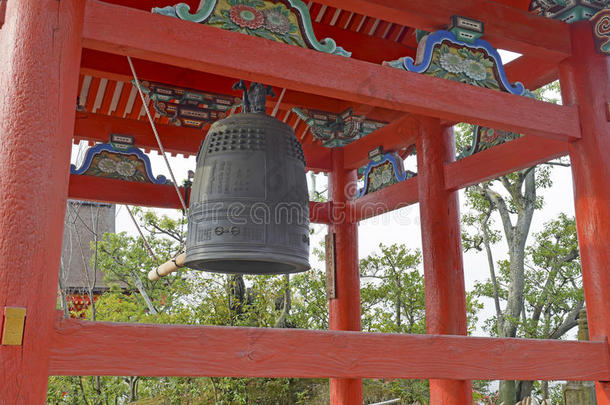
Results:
463 65
276 21
246 16
475 70
452 62
126 168
260 19
107 165
488 135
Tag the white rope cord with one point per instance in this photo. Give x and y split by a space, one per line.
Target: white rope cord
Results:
142 235
154 128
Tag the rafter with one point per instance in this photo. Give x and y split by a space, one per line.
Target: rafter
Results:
118 29
505 27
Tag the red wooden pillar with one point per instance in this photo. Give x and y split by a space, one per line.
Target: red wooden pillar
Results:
584 81
442 250
344 310
40 47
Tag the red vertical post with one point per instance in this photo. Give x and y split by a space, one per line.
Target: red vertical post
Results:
40 47
584 81
442 250
344 310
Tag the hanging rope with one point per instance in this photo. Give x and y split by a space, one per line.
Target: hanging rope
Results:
142 235
154 128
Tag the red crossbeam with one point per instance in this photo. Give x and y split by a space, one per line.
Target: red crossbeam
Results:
515 155
385 200
119 30
125 349
91 188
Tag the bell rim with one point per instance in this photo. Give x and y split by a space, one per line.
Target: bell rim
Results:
298 264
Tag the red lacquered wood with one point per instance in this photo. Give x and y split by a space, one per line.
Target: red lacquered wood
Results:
117 29
344 310
40 45
505 27
100 348
385 200
99 189
442 251
97 127
394 136
362 46
584 81
533 72
506 158
115 67
2 12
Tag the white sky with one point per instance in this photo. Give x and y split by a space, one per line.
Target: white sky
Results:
400 226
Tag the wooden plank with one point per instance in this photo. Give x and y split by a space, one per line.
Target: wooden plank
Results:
385 200
99 348
121 30
394 136
505 27
99 189
506 158
176 140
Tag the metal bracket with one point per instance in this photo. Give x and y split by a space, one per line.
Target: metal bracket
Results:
331 290
14 322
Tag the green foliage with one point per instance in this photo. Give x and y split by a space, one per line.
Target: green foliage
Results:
391 282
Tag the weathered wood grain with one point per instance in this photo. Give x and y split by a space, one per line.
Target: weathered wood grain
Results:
85 348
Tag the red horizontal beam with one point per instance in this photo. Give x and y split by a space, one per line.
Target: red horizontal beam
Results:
394 136
532 72
506 158
115 67
505 27
127 31
91 188
176 140
385 200
99 348
100 189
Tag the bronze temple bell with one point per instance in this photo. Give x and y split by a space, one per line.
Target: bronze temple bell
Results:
249 209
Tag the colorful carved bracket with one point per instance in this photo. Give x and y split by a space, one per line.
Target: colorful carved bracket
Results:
601 31
568 10
337 130
384 170
286 21
109 161
460 55
485 138
187 107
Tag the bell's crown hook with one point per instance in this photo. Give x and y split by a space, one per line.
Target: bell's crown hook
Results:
255 98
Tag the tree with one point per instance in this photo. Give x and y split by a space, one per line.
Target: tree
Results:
512 199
